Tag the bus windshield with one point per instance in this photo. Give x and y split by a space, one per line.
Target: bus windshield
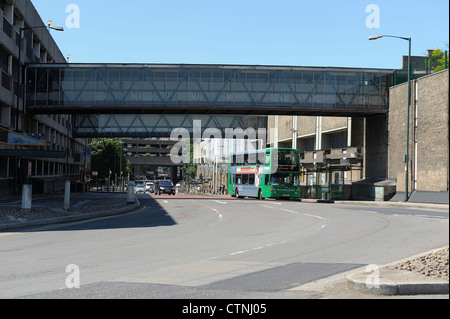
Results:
287 157
280 179
287 160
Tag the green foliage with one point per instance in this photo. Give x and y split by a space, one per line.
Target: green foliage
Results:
105 158
190 169
438 60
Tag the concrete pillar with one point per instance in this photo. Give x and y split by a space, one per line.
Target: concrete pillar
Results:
275 133
130 195
349 131
27 191
318 133
67 195
294 131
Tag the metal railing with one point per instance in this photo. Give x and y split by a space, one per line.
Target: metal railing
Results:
422 68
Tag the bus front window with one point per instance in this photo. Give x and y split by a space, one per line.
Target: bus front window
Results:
283 180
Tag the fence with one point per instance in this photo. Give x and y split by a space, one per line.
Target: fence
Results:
425 67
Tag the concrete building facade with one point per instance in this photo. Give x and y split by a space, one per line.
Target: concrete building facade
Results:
428 134
377 145
331 149
19 164
212 158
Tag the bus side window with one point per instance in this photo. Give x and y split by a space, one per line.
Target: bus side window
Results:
239 179
251 179
245 179
266 178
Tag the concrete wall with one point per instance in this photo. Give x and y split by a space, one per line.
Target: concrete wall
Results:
429 134
376 148
306 125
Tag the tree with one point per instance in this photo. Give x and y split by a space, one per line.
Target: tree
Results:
105 158
190 169
438 60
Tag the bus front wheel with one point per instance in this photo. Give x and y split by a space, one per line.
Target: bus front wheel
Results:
236 193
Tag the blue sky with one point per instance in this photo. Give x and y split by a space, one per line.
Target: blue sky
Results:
251 32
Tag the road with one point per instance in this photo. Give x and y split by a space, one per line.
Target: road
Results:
206 247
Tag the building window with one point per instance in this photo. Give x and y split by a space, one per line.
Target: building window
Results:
4 65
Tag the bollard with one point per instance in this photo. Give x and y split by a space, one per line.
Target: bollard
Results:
67 195
130 197
27 191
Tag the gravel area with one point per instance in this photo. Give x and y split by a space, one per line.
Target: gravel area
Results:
10 215
430 265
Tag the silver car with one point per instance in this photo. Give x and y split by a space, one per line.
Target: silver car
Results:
140 188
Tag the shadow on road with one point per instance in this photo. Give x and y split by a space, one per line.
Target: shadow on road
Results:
150 214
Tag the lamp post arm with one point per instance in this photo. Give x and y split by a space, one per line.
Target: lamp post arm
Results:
394 36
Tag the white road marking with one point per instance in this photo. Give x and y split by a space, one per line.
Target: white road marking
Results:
294 212
256 248
289 211
239 252
273 203
219 214
220 202
315 216
368 211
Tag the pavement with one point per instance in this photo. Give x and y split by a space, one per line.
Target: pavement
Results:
390 280
48 210
386 280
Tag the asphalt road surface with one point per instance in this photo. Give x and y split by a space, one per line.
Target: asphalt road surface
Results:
193 247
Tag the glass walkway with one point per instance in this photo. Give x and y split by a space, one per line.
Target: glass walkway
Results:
206 89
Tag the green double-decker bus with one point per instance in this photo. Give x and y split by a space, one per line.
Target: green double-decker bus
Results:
269 173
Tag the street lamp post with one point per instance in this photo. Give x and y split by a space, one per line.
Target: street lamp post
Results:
406 159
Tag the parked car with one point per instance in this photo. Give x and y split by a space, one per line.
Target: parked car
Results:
140 188
148 186
164 187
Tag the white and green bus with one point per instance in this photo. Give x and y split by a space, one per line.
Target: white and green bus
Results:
269 173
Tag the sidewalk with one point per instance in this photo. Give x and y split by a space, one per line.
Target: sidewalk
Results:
410 205
99 205
424 274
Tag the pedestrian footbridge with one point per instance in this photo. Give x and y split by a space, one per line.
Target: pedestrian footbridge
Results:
122 100
206 89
